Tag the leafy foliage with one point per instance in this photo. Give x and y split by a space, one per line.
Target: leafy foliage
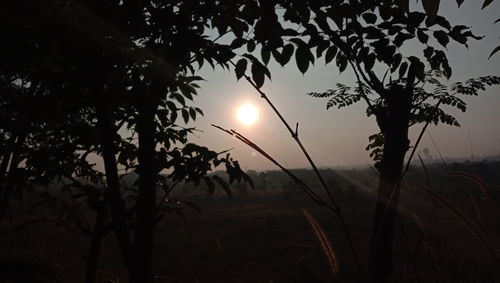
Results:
343 95
427 97
80 80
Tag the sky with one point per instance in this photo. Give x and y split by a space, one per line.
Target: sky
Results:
339 137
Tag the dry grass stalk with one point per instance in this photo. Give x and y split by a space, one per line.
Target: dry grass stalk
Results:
462 217
325 243
217 242
485 191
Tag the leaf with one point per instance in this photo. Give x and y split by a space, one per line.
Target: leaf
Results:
370 18
241 67
238 42
322 46
417 67
192 113
265 54
341 62
250 46
404 5
330 54
494 51
431 8
441 37
257 74
416 18
171 106
446 69
422 36
459 2
173 117
286 54
442 21
302 58
486 3
498 20
428 52
458 35
396 60
185 115
276 55
179 98
199 111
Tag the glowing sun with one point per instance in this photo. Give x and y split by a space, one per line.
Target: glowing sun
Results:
247 114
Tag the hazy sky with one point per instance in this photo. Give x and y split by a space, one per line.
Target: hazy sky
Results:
339 137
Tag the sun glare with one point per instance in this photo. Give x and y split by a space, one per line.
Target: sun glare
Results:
247 114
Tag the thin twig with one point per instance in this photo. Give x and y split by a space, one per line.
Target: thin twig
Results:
164 198
335 208
309 192
438 151
363 94
296 138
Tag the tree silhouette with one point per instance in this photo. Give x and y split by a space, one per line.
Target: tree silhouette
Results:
399 88
114 78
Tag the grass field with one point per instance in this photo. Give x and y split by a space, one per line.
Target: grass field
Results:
263 236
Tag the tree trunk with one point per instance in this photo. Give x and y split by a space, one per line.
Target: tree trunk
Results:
393 122
146 199
92 259
112 195
9 171
10 182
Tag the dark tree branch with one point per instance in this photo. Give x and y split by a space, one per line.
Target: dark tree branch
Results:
335 208
309 192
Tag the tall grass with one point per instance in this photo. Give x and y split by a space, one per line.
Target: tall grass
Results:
326 246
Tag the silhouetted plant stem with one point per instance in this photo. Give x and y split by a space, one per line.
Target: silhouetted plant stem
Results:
438 151
295 136
167 192
112 194
309 192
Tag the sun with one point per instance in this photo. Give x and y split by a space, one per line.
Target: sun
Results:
247 114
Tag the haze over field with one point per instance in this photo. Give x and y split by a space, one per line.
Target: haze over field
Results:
338 137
